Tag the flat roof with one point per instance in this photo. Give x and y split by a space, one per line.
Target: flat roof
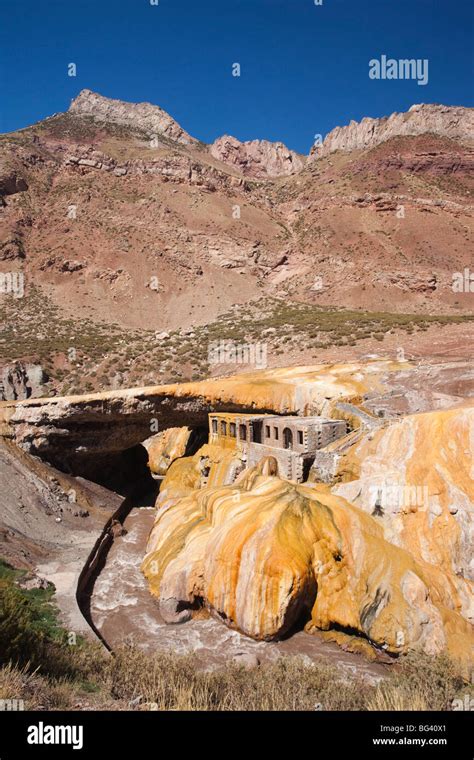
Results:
315 420
242 415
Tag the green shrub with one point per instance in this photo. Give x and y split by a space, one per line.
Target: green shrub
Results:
21 629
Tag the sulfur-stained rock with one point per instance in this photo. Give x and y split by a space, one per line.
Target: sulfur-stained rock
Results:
417 478
265 554
163 448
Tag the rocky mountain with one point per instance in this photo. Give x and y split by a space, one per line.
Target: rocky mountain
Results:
257 158
456 123
117 218
143 117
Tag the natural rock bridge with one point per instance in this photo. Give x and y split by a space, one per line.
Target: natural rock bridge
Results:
89 434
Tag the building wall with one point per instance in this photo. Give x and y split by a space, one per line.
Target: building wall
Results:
256 451
224 428
324 466
323 434
235 432
291 464
306 436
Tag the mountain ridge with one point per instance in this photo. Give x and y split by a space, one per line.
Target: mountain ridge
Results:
261 158
454 122
144 116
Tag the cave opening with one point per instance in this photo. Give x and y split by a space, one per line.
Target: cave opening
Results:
126 472
298 614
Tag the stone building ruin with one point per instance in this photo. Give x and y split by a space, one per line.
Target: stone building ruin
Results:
293 441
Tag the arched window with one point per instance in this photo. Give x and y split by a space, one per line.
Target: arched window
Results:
287 438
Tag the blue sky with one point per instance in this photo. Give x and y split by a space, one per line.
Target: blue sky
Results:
304 68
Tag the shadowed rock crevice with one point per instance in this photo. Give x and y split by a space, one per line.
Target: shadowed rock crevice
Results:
299 611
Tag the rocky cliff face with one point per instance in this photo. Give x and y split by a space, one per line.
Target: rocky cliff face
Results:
453 122
143 117
257 158
20 381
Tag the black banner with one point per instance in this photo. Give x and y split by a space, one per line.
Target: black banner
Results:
86 734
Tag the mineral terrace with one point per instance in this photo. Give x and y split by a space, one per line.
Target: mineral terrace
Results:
301 499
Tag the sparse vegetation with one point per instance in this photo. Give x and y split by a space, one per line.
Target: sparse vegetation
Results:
108 356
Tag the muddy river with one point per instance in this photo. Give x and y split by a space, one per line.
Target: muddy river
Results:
122 609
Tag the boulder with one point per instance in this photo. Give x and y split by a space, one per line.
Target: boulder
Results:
172 611
246 660
163 448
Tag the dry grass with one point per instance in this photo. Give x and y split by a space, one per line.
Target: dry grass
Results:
52 674
13 681
174 683
37 692
393 699
135 680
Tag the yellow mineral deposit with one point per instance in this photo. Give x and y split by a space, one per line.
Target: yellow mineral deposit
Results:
265 553
383 551
421 470
163 448
308 390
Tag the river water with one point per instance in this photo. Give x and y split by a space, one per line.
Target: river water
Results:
123 610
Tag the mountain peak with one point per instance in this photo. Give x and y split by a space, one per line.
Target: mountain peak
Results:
257 158
145 117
